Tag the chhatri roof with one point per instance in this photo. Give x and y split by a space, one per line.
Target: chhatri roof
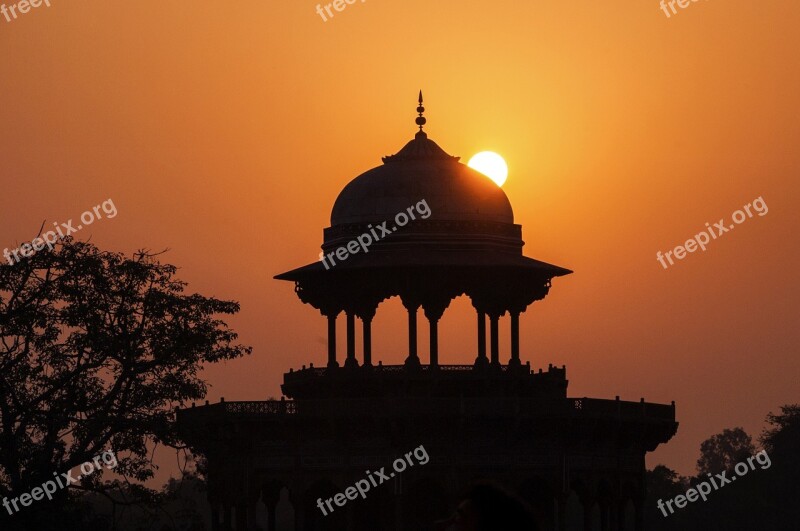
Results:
470 223
421 170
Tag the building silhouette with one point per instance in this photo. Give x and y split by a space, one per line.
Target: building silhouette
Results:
579 462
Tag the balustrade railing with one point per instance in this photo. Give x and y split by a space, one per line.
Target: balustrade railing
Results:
422 370
431 406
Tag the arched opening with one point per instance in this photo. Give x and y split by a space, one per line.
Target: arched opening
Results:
458 333
284 512
390 333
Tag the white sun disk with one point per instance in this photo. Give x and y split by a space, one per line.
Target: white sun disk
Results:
490 164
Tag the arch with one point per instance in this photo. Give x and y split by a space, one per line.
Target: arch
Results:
267 498
458 335
284 512
389 333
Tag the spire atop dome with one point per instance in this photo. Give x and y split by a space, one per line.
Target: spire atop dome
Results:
421 120
421 147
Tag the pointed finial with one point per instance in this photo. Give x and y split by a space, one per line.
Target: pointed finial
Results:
420 119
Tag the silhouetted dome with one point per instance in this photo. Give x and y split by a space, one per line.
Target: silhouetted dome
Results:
423 210
421 170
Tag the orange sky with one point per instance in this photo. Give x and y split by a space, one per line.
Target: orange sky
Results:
224 131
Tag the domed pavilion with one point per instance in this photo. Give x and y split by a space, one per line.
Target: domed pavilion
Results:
579 462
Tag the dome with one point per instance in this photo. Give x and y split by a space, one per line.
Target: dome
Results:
422 171
465 231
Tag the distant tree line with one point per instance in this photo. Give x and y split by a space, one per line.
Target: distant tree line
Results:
766 497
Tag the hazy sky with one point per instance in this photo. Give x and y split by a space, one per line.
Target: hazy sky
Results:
224 132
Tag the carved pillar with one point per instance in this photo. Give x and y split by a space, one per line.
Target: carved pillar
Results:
367 326
434 310
332 340
271 496
481 360
366 313
413 359
494 340
351 341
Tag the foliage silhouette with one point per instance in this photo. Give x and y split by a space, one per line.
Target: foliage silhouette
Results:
96 351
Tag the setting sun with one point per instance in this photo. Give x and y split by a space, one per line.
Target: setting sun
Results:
490 164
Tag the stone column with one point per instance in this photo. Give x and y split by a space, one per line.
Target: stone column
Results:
434 309
351 341
332 341
413 359
481 360
367 327
271 497
366 313
494 340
